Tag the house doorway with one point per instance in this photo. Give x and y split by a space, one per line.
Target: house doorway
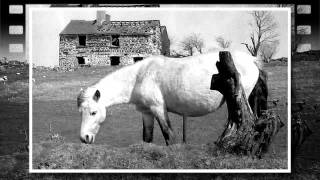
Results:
136 59
115 60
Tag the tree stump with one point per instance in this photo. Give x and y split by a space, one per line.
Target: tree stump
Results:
244 133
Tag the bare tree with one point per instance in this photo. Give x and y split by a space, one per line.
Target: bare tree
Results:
223 43
187 46
177 54
191 42
263 31
268 50
198 43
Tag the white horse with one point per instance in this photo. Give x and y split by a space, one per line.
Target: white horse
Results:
158 85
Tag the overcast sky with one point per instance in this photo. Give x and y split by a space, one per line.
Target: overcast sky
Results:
47 23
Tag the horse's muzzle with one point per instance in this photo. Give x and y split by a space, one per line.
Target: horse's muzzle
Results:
88 138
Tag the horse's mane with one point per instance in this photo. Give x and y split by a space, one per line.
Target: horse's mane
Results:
89 91
83 96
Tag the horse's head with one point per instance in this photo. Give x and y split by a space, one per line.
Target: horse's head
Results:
93 113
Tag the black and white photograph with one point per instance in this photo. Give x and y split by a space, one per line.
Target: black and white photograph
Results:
159 89
196 91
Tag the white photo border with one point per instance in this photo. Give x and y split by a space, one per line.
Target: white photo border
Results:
288 170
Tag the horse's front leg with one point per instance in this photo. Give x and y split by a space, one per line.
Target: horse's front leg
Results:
162 117
148 125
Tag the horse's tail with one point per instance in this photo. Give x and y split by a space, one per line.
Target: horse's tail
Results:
258 99
222 102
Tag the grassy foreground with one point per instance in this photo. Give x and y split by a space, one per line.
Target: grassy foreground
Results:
59 155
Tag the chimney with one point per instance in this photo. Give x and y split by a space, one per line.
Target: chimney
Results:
101 16
107 19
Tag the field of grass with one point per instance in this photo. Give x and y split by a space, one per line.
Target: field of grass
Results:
305 88
55 112
14 108
14 117
14 155
14 122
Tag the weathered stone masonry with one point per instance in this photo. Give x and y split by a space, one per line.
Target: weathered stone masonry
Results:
111 42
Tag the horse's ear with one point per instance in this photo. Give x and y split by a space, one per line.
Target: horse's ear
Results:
96 96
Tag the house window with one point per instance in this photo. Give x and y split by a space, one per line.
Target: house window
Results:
136 59
81 60
115 40
82 40
114 60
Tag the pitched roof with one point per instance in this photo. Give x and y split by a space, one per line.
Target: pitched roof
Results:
113 27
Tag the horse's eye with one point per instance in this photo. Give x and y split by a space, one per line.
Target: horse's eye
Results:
93 113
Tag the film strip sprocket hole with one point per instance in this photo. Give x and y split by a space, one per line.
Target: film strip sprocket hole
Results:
15 30
302 30
13 25
12 30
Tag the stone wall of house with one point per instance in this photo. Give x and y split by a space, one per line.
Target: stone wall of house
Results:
99 49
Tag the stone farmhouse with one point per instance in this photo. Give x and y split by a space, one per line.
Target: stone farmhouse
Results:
104 42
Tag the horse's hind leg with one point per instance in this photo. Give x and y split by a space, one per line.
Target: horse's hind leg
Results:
162 117
148 125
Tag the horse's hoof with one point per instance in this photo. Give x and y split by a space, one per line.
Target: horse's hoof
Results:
147 141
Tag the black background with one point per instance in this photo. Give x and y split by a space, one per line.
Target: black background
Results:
7 20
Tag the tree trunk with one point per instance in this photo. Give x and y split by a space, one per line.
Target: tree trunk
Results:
244 133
